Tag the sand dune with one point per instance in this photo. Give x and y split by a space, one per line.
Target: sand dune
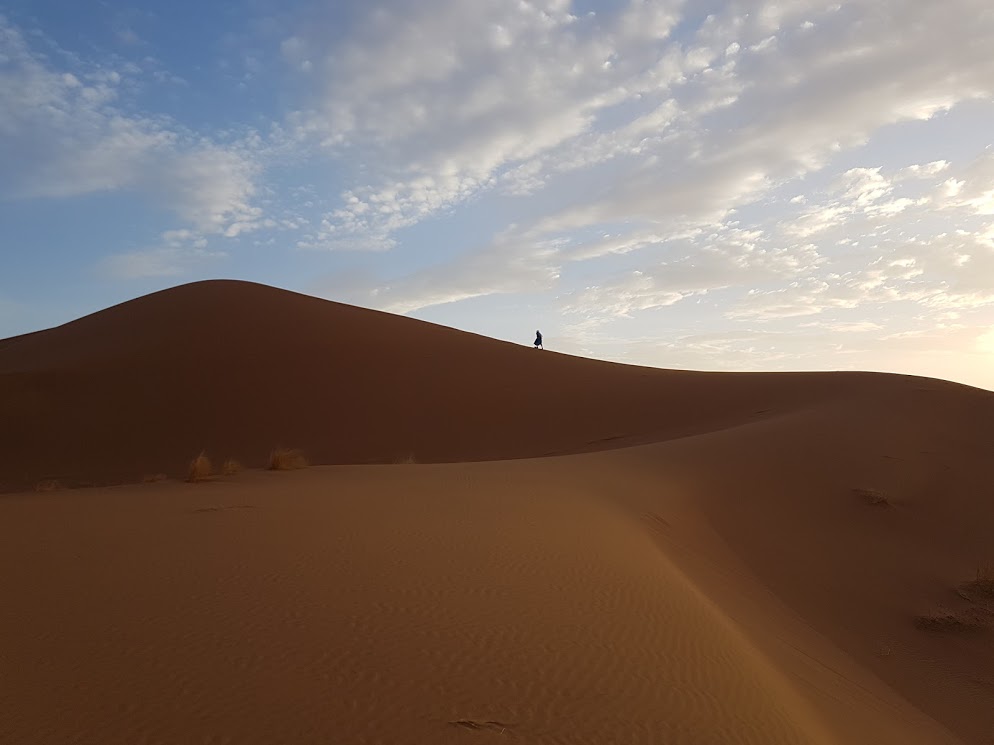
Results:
705 558
236 369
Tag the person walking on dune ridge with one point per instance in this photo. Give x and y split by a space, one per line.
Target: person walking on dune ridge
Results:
538 340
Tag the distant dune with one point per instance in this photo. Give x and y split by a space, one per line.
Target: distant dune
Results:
646 556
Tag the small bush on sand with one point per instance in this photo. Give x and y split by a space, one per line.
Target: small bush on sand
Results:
285 459
48 485
153 477
873 497
942 620
983 584
231 467
406 460
200 469
985 572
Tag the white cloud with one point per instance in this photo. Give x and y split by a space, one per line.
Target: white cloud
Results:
211 187
801 105
805 297
671 140
163 261
61 135
443 114
974 190
932 267
747 169
728 257
924 170
439 117
128 37
504 267
178 252
840 250
64 133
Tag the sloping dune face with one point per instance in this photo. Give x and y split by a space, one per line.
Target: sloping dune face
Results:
236 369
704 558
850 541
372 608
586 599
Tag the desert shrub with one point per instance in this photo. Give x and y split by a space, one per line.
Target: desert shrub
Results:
200 469
286 459
984 581
942 620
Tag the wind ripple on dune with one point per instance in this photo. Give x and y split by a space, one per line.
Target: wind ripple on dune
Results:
373 616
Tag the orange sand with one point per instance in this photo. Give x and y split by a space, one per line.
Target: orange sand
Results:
711 574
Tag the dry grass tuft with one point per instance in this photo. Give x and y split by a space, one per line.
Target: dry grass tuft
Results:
231 467
285 459
48 485
873 497
153 477
985 572
200 469
983 583
406 460
946 621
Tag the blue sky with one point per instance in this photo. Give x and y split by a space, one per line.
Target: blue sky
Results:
711 185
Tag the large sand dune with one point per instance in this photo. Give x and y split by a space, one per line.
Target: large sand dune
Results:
237 369
705 558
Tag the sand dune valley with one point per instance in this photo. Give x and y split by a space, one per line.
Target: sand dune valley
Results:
491 543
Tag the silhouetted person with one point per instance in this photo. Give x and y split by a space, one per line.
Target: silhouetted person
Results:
538 340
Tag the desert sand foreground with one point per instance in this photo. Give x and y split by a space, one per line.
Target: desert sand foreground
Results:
583 553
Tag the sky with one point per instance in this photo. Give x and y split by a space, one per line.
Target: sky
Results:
713 185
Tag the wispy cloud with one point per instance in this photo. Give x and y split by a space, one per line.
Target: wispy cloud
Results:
67 132
177 252
444 97
760 166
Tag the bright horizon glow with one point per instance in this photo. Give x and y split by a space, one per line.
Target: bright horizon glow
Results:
718 186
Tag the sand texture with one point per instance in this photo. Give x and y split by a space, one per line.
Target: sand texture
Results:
573 552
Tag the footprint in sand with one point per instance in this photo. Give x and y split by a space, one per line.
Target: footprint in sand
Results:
492 726
225 507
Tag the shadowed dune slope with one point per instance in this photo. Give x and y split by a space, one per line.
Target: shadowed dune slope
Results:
236 368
